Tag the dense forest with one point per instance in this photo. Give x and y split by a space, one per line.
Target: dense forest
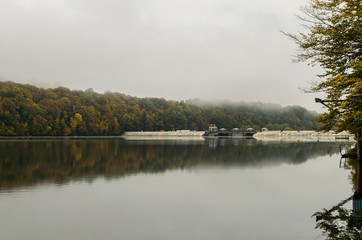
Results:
26 110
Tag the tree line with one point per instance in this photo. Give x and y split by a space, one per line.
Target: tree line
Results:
27 110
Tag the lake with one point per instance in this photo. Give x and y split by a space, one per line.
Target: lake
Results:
176 189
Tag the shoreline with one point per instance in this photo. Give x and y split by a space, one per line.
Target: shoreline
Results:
57 137
303 135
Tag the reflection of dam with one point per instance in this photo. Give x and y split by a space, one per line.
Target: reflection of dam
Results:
28 162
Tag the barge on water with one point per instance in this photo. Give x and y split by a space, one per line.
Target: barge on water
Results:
214 132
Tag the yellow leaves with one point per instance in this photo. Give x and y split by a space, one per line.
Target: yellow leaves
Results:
78 117
75 121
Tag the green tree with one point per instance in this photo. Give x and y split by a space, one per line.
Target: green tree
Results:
334 42
40 126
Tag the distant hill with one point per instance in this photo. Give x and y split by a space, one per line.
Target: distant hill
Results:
28 110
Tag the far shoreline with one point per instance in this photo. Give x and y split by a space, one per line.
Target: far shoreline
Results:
58 137
266 136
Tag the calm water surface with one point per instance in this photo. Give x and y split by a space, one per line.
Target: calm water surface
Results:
115 189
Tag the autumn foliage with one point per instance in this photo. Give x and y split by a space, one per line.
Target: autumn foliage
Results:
27 110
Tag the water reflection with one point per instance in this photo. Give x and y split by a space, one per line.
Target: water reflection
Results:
24 163
341 221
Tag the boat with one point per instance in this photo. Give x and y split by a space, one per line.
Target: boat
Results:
214 132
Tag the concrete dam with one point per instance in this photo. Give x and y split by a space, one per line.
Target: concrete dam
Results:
303 135
179 134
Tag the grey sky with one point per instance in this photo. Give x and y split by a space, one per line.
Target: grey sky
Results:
175 49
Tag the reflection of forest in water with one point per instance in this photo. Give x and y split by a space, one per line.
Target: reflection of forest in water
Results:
29 162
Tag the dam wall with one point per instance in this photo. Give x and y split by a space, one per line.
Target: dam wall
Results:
305 135
179 134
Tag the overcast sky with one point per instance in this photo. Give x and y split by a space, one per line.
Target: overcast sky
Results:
174 49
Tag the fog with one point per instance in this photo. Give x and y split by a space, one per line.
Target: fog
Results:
172 49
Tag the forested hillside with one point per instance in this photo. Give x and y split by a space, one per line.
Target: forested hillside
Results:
28 110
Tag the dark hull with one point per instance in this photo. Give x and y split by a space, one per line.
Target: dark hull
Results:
228 134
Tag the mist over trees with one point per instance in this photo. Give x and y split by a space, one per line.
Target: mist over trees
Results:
26 110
